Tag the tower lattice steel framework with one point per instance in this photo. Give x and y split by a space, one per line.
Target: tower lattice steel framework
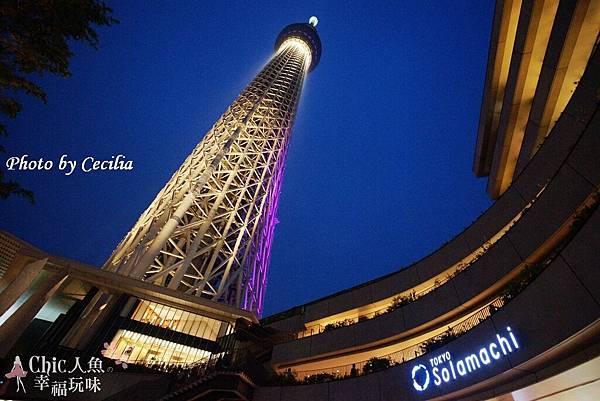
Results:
209 231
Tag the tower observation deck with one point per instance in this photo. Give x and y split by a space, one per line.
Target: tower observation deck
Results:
209 230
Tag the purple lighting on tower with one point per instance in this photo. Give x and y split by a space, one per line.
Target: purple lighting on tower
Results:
209 231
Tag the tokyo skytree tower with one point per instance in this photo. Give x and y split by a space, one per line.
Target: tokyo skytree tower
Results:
209 230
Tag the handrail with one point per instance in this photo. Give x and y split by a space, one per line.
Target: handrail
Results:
408 296
566 232
414 351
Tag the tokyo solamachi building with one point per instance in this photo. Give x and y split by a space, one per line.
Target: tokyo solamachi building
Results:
509 309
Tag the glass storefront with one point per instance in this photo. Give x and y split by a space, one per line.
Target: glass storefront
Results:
132 347
170 337
180 321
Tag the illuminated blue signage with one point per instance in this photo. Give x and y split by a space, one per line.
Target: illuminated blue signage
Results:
443 369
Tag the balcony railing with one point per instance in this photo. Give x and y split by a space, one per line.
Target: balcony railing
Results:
405 354
407 297
522 280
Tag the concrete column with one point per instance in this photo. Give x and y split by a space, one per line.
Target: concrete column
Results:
20 284
100 321
16 324
92 319
74 336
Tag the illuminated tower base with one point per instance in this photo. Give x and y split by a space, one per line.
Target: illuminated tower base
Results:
209 230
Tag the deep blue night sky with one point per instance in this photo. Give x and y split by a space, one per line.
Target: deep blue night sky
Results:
379 168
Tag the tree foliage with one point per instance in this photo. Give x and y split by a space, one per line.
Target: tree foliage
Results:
376 364
34 40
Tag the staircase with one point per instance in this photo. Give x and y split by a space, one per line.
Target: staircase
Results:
217 386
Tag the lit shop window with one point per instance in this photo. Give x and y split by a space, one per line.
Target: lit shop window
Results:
181 321
141 349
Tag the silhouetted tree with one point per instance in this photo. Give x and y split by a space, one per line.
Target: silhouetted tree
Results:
34 39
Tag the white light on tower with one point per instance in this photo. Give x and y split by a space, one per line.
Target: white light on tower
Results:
208 233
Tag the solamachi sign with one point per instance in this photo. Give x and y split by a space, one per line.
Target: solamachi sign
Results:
443 369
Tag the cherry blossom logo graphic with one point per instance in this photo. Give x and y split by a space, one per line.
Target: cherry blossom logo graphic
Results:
109 350
18 372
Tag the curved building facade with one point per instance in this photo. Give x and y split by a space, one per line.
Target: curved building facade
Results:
509 309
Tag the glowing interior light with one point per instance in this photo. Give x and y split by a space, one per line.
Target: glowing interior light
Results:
313 21
300 45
